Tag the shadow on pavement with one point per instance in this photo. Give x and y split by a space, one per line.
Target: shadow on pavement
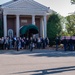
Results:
48 71
40 53
55 54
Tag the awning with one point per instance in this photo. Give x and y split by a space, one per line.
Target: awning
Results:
32 28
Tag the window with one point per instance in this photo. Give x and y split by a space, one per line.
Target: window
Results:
10 33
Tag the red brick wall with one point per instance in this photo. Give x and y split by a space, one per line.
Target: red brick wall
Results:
11 22
37 22
28 19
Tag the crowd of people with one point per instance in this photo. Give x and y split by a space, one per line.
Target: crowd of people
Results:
68 43
7 43
18 43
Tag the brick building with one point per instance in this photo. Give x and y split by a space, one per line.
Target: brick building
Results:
19 13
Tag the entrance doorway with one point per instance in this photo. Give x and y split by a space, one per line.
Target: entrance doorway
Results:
29 30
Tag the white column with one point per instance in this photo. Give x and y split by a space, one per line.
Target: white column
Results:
42 27
45 26
33 19
17 25
5 25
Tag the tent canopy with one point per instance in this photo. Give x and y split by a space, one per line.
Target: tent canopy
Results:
32 28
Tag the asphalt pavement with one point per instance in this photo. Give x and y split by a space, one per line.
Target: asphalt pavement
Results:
37 62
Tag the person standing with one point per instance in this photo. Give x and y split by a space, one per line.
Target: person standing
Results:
74 44
10 43
2 43
57 43
31 44
35 42
43 43
39 42
65 43
71 44
17 43
46 41
27 43
22 43
6 43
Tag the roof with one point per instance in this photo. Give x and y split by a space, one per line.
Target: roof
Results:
24 6
31 1
7 3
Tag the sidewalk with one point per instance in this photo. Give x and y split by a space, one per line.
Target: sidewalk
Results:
28 51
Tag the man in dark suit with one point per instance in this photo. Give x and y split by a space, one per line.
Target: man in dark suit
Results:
57 43
71 44
65 43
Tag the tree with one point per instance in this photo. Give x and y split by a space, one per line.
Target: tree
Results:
64 33
70 25
54 27
73 1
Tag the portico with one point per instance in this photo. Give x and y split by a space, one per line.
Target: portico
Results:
28 11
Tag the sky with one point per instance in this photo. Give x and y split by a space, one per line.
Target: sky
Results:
63 7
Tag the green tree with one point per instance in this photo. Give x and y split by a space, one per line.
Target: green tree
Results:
70 25
54 27
64 33
73 1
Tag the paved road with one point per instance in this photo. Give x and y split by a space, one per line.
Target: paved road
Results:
38 62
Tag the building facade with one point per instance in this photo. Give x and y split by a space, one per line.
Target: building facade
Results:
18 13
